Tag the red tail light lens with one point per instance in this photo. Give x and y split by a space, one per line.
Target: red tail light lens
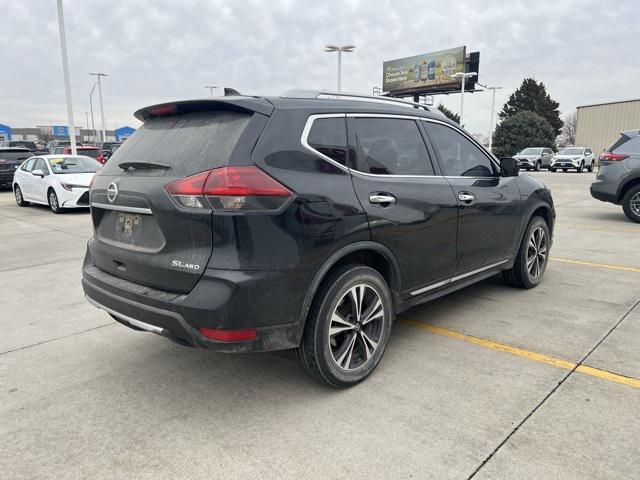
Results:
612 157
243 182
230 189
229 335
163 110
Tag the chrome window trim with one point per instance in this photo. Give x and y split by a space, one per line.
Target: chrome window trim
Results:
458 277
312 118
119 208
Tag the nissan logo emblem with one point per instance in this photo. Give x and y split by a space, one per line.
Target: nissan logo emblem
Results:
112 192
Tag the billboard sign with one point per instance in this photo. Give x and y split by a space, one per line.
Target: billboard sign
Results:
431 71
60 131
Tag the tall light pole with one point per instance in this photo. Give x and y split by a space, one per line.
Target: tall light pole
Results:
339 49
211 88
462 77
104 131
493 113
67 82
93 126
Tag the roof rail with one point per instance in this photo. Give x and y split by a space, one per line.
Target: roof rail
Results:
351 96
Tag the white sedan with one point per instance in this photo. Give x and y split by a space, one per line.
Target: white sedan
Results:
60 181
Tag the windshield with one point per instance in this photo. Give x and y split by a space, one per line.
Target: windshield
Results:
571 151
64 165
531 151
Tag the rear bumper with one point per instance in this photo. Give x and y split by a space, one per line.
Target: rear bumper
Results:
223 299
599 191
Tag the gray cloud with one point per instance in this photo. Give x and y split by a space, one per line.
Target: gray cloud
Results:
154 51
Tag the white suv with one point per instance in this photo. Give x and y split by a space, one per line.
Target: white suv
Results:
573 157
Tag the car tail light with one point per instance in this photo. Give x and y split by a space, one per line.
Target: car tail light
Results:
230 189
163 110
612 157
229 335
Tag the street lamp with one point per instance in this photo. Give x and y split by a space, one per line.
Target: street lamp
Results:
463 77
104 131
335 48
93 125
493 112
67 82
210 87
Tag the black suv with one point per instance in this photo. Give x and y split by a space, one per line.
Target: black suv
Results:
303 222
10 159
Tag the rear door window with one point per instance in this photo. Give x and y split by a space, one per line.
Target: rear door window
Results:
188 144
391 146
329 137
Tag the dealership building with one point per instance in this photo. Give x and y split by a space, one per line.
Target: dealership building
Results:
61 132
599 125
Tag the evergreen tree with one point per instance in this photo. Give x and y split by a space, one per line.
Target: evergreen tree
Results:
522 130
533 97
449 114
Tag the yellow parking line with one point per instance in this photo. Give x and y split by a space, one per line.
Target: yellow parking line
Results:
520 352
607 266
597 227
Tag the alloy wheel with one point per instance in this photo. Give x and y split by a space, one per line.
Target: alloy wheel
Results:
53 201
634 204
18 194
536 253
356 327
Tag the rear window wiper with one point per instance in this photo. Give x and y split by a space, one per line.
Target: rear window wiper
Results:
143 165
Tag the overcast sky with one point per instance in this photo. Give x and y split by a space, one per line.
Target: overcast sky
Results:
154 51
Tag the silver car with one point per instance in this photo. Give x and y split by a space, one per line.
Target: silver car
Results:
573 157
618 179
534 158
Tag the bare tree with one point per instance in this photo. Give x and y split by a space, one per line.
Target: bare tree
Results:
45 135
569 128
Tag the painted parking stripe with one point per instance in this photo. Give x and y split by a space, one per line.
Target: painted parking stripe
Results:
520 352
607 266
598 227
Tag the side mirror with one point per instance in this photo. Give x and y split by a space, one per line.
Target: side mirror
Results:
509 167
37 173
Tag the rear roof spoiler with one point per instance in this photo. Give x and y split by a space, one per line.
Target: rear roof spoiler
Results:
235 103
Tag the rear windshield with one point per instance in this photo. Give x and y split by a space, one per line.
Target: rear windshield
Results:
13 155
90 153
626 145
188 143
83 164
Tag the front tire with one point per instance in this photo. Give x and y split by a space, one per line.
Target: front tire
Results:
631 204
19 198
552 170
538 165
581 167
53 201
348 326
591 167
533 255
565 170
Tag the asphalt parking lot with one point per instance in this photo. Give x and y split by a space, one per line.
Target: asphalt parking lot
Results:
490 382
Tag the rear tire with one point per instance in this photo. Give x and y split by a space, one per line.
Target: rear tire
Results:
19 198
342 343
53 201
533 255
631 204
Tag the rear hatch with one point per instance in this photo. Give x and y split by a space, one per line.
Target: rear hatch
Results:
141 234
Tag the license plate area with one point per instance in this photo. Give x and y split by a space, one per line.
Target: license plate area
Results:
128 227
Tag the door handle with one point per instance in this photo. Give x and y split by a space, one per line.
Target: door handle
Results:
382 198
466 198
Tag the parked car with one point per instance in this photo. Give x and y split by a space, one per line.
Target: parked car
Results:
58 181
252 224
10 160
92 152
534 158
618 179
573 157
107 150
31 146
60 143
